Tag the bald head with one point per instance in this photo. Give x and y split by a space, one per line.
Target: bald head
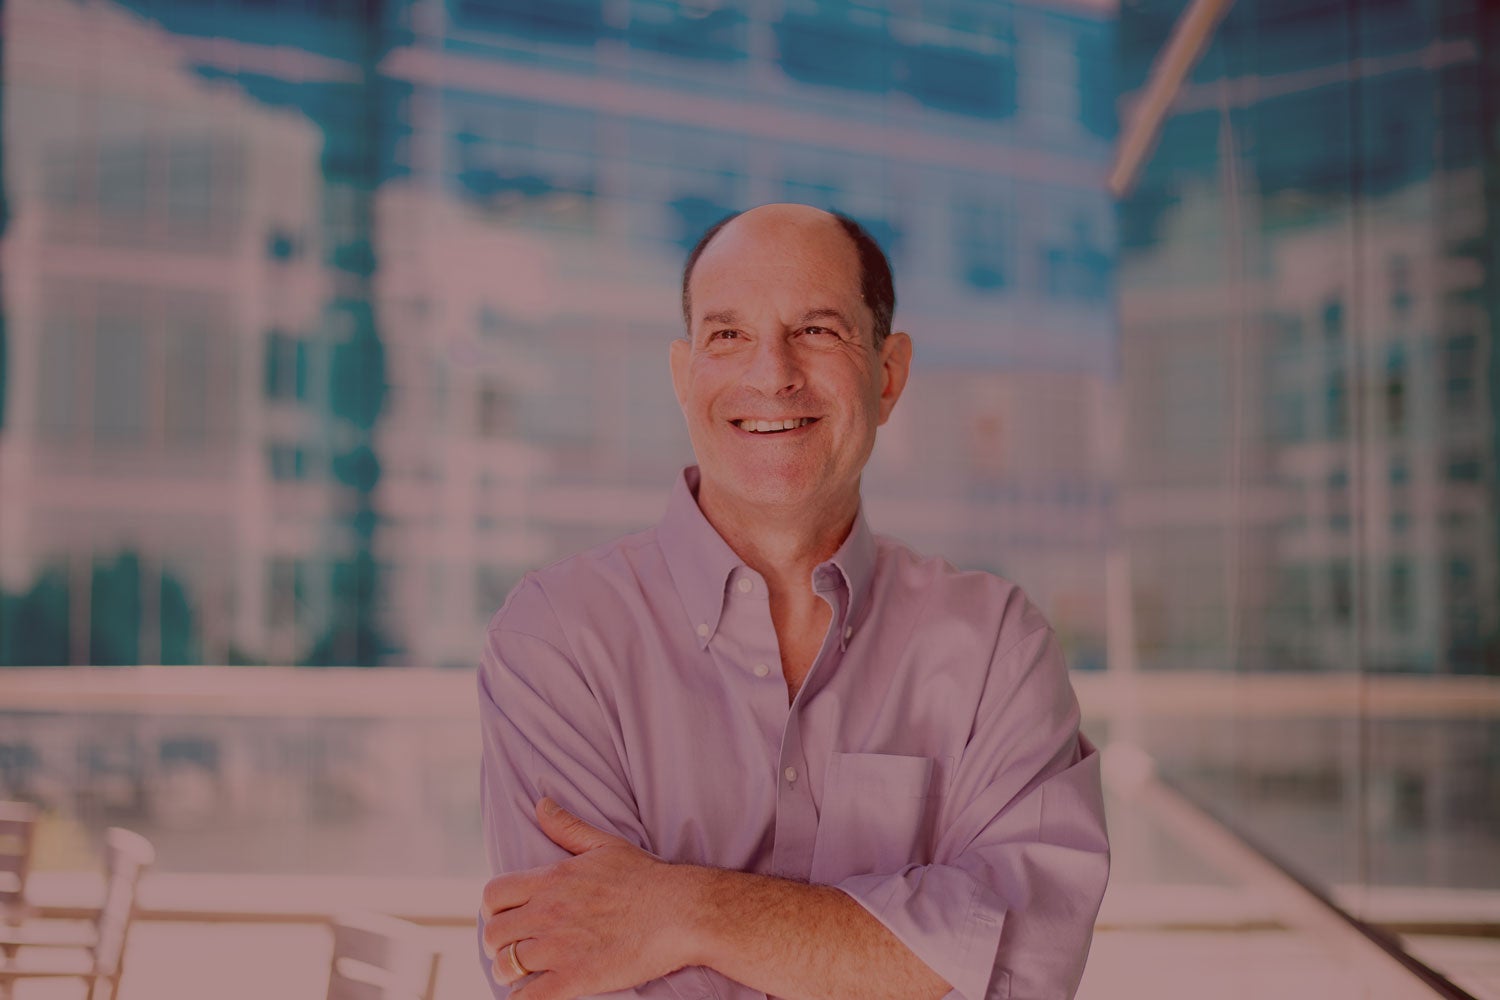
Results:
797 226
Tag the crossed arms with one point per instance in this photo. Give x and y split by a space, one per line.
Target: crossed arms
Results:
614 917
1006 908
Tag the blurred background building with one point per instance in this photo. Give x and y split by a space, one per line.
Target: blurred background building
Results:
322 321
349 313
1311 403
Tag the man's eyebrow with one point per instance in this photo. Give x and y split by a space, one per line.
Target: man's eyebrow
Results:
813 314
731 317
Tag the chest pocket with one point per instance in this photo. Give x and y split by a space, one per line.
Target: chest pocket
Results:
876 815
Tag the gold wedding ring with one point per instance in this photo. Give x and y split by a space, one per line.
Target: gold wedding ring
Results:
515 961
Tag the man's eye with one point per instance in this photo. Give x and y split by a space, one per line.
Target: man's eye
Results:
723 335
820 331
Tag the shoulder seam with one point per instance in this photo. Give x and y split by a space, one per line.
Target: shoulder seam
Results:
545 642
564 632
1045 627
569 654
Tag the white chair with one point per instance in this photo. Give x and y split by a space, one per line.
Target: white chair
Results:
93 951
376 957
17 838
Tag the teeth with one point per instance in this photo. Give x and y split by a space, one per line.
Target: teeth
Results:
762 426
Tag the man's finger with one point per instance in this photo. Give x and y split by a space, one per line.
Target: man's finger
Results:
568 831
504 892
503 928
545 986
527 952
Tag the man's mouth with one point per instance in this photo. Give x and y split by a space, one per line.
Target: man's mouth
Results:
773 426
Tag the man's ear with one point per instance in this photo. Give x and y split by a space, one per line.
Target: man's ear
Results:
895 366
679 354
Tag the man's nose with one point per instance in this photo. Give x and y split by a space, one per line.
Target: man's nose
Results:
774 368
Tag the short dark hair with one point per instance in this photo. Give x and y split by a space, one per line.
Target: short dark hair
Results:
876 284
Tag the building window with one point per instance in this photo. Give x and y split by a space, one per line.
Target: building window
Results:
286 591
1333 321
1401 294
1341 591
712 31
185 396
494 415
1395 391
286 366
120 376
981 235
1078 270
836 44
534 164
567 22
1402 597
58 402
968 74
1336 407
1465 468
1460 362
1460 581
288 462
1339 516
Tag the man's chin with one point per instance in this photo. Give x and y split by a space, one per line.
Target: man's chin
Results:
771 488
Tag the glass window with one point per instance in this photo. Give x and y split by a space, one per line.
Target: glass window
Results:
1394 395
692 29
527 162
572 22
494 409
288 462
835 43
984 237
286 366
60 400
1336 406
1402 596
120 374
185 377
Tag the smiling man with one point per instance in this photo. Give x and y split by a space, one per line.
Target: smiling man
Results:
758 750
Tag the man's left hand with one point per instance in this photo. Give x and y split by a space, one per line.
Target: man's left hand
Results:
606 919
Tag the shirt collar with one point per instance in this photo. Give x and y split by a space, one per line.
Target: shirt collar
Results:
855 561
700 562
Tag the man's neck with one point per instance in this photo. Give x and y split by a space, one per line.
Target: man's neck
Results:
783 545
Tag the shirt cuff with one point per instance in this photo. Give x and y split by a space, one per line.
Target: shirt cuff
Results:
944 915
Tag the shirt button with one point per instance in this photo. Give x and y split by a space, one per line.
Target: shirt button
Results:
703 630
848 631
791 774
744 585
761 670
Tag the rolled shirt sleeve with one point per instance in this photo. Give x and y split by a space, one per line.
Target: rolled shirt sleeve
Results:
1007 908
544 733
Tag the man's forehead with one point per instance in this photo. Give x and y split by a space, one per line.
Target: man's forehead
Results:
815 314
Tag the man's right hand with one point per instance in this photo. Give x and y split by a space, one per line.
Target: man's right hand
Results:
602 920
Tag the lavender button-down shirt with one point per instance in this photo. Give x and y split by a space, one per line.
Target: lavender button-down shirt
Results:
930 766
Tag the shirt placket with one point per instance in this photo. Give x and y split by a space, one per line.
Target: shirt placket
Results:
796 801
